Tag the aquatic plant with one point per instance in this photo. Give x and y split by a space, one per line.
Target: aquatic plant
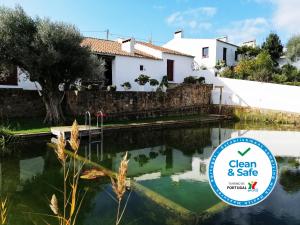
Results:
119 187
71 203
6 137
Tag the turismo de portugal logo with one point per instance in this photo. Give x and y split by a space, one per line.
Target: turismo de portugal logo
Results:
242 172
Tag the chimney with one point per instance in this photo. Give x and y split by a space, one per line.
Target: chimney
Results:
128 45
178 34
224 38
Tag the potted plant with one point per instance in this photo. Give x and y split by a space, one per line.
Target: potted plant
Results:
126 86
111 88
142 80
154 83
164 84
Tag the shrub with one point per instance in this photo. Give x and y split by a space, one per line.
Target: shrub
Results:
142 79
201 80
228 72
164 81
153 82
190 80
126 85
279 78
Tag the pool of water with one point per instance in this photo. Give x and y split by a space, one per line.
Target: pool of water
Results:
169 164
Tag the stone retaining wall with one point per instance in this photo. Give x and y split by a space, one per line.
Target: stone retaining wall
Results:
181 100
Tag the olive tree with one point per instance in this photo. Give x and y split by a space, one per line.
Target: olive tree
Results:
49 52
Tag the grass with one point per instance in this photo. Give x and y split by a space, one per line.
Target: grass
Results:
36 125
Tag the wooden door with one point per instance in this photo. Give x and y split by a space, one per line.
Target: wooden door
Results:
170 69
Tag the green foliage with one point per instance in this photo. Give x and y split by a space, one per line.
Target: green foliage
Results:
279 78
228 72
291 72
164 81
153 82
273 46
49 52
293 48
245 68
126 85
142 79
248 51
190 80
194 80
220 64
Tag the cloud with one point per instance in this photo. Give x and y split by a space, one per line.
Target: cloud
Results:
197 18
286 16
245 30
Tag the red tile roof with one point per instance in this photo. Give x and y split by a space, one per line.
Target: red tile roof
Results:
109 47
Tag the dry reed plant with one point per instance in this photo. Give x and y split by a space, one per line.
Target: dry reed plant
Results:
71 203
3 211
119 187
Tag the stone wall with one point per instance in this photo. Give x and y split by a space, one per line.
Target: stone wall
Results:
184 99
181 100
20 103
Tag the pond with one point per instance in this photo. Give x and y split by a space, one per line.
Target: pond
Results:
169 172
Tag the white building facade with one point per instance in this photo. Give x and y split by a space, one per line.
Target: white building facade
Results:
207 52
127 59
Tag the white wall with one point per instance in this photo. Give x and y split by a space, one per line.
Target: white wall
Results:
230 53
257 94
194 47
284 60
128 69
23 83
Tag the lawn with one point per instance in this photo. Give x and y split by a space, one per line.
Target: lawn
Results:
36 125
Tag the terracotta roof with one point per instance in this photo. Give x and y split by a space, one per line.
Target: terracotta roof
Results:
162 49
108 47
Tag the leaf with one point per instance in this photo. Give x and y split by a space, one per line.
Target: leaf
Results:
92 174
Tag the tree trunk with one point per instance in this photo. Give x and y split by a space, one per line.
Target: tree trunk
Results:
54 113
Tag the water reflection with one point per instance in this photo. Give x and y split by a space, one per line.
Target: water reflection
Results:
171 162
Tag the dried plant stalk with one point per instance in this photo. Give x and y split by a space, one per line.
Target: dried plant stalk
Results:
74 140
3 211
119 186
71 202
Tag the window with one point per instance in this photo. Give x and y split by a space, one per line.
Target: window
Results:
141 67
236 55
225 55
11 78
205 52
170 70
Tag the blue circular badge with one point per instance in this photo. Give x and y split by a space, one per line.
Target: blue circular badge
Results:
242 171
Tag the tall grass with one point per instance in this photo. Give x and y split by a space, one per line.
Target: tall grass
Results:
70 194
71 202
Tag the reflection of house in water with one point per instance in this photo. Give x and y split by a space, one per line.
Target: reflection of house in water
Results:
14 172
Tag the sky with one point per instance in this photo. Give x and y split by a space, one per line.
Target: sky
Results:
240 20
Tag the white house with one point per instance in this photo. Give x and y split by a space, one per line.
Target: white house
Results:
18 79
127 59
207 52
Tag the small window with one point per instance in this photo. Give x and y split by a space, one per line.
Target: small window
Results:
205 52
141 67
236 55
